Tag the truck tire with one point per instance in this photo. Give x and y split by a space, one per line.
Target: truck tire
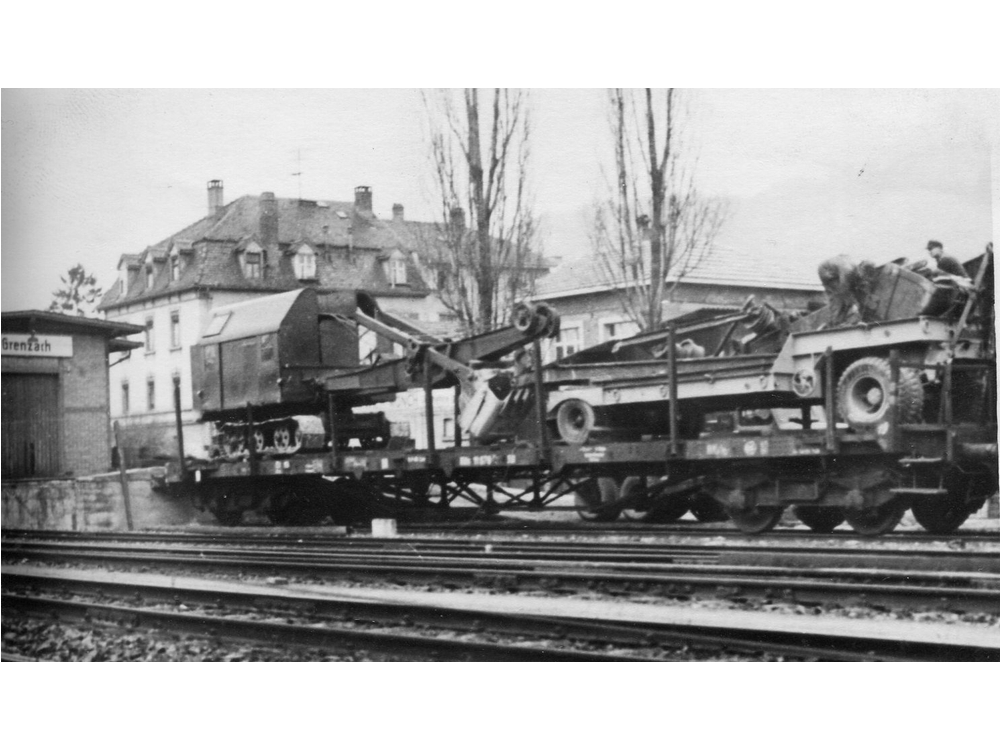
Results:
575 421
863 389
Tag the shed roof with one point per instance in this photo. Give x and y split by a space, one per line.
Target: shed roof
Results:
23 320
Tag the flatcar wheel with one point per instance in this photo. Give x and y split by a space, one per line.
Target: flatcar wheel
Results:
939 515
819 519
656 511
630 485
670 508
594 493
707 509
878 520
756 520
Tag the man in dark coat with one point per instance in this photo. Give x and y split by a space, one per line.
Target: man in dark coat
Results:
839 276
945 263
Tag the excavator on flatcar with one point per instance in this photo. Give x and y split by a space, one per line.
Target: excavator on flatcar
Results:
281 374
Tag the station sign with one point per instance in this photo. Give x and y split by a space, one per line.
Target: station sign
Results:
35 345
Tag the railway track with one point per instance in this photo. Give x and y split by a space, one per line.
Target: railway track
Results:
523 527
305 543
448 627
956 580
508 526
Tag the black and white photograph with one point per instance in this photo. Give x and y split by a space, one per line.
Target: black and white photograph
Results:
499 375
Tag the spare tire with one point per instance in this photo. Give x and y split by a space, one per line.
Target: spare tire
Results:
863 393
575 420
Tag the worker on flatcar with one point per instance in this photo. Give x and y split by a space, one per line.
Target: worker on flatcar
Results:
945 263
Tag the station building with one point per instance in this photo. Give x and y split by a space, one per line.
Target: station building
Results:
56 417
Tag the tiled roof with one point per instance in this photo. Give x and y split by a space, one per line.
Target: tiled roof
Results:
724 266
348 243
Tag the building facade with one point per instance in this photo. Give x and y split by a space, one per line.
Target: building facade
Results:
255 245
591 310
55 393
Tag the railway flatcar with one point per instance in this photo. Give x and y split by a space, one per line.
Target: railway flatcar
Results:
878 404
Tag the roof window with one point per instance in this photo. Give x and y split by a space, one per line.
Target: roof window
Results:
216 325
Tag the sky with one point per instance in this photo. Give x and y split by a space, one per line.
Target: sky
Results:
89 174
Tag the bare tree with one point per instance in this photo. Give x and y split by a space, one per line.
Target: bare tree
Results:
79 293
654 228
481 168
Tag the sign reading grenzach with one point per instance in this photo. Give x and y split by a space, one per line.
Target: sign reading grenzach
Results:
35 345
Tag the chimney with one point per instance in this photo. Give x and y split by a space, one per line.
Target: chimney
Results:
268 221
363 198
458 218
214 197
397 211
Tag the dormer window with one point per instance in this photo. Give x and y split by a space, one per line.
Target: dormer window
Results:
397 269
251 265
252 261
305 263
149 276
175 263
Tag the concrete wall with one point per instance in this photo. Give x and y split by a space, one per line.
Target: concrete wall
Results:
91 504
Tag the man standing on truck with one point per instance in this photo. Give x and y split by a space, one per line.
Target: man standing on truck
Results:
945 263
